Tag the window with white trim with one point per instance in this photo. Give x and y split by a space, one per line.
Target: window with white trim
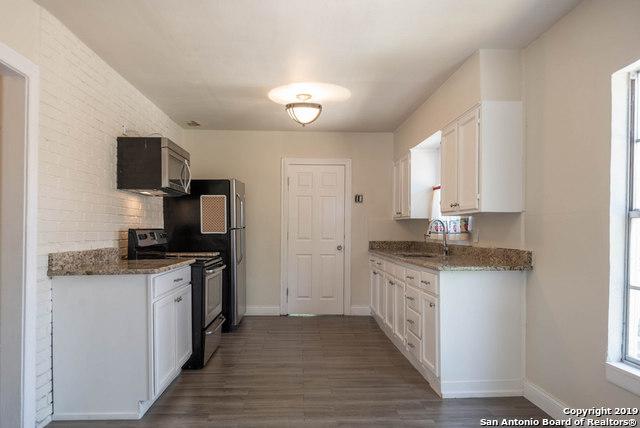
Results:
631 340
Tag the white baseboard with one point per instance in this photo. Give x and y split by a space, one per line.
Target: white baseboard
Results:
360 310
95 416
547 402
44 422
262 310
482 388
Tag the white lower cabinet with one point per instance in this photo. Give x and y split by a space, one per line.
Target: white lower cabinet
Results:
171 336
118 342
462 330
399 321
164 342
390 289
429 328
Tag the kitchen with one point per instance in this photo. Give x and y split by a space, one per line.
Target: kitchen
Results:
374 156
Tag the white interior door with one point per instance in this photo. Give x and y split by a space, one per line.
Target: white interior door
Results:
315 239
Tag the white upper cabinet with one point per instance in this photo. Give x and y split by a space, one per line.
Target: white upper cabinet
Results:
481 160
414 176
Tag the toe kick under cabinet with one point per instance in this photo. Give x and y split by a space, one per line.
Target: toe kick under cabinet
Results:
462 330
118 341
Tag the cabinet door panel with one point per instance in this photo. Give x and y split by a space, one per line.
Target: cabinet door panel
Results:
373 285
449 169
430 333
183 326
397 190
381 294
399 313
405 180
468 148
164 335
390 290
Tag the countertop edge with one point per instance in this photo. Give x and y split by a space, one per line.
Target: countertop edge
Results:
440 267
112 269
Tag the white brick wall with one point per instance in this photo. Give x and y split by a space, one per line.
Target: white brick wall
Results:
84 104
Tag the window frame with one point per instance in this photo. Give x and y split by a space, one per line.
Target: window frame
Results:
634 138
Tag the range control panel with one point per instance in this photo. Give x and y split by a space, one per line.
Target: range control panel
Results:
148 237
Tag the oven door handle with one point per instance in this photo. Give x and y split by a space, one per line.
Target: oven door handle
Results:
212 271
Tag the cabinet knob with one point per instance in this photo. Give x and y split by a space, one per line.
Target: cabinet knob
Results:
178 299
409 298
431 304
410 321
411 345
426 282
409 277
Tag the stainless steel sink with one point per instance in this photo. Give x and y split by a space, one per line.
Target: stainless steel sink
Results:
419 255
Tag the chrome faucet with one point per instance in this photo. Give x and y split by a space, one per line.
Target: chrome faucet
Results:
445 232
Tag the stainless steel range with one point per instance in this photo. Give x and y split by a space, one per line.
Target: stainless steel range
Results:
206 289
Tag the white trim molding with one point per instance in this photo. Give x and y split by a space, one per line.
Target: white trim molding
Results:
30 71
623 375
284 199
262 310
547 402
360 310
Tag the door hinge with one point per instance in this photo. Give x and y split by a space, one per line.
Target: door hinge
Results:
287 295
288 181
478 196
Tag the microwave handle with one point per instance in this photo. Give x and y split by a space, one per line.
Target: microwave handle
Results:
188 180
182 179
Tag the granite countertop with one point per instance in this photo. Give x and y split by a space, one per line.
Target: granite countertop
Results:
461 257
107 261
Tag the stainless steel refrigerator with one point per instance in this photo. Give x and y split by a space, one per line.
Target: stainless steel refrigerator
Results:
212 218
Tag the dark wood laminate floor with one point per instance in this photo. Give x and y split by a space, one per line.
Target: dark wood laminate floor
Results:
329 371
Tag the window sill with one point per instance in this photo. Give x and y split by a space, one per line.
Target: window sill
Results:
624 375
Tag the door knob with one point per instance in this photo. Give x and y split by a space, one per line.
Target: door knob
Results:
339 247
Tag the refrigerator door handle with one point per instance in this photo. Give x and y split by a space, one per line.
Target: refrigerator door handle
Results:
241 246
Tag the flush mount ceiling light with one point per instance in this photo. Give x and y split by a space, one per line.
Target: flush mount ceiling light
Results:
302 101
304 112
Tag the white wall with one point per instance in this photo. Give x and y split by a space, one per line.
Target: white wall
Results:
84 104
568 133
255 158
12 171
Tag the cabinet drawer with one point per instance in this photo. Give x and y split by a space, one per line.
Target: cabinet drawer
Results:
170 280
413 322
414 345
429 282
412 277
412 297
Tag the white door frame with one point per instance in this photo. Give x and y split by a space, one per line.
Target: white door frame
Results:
27 69
284 224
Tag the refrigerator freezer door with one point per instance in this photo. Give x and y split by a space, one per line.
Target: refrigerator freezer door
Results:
237 204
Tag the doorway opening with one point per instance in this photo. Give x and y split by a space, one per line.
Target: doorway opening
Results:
18 196
316 236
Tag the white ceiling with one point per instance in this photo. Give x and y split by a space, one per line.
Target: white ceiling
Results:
214 61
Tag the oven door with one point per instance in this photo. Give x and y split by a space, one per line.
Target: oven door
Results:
213 293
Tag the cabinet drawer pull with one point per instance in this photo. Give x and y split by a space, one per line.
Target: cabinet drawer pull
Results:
379 263
431 304
392 283
409 277
178 279
411 345
410 321
426 282
371 260
409 298
375 273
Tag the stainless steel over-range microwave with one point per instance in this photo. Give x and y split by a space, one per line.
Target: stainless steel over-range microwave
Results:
153 166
